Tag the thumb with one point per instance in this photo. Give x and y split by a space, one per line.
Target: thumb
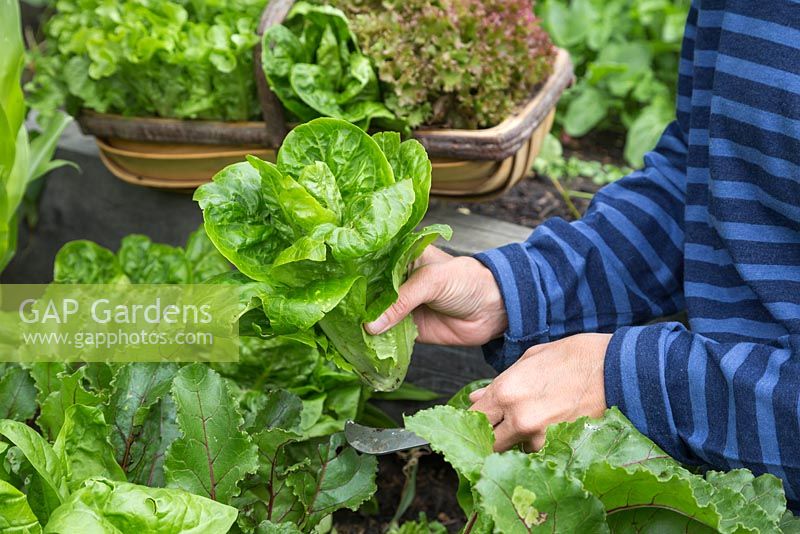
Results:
420 288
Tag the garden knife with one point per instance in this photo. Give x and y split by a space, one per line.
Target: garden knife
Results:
380 440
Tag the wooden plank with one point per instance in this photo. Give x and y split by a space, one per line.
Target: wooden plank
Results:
474 233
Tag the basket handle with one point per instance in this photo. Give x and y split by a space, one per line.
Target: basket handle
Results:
271 108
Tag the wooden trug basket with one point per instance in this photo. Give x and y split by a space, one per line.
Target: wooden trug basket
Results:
184 154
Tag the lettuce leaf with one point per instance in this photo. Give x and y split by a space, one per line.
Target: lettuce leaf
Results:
173 58
314 65
140 261
325 238
15 512
102 505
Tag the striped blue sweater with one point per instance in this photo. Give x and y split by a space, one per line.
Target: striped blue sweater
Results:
710 225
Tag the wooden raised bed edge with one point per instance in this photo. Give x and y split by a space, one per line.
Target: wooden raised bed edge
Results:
158 130
274 119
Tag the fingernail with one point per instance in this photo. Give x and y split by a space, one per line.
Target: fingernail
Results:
477 394
377 326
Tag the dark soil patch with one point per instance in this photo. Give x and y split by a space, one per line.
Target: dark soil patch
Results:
529 203
604 147
536 199
437 484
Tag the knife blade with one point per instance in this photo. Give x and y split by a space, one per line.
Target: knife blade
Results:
378 441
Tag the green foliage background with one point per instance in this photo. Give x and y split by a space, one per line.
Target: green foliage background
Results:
626 56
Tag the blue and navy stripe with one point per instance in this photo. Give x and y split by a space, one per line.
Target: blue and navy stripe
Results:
710 225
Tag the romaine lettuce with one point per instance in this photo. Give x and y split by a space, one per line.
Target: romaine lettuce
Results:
314 65
326 237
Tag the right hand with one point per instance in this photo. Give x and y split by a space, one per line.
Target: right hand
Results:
454 301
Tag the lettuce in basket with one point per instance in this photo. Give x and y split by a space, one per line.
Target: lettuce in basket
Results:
315 67
325 238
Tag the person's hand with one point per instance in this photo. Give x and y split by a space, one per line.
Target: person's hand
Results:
455 301
551 383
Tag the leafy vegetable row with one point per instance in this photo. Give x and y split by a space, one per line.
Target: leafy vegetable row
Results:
260 449
193 60
626 61
158 448
249 444
594 475
324 238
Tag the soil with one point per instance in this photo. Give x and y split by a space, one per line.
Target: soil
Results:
532 201
535 198
436 488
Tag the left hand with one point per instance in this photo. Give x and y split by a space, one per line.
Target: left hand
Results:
550 383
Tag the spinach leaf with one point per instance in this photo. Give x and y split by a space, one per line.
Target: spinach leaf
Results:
521 494
17 394
144 421
329 477
329 233
466 440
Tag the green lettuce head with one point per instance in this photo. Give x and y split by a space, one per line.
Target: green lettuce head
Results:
325 238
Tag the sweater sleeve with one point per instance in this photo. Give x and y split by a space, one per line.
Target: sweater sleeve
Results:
621 264
729 405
